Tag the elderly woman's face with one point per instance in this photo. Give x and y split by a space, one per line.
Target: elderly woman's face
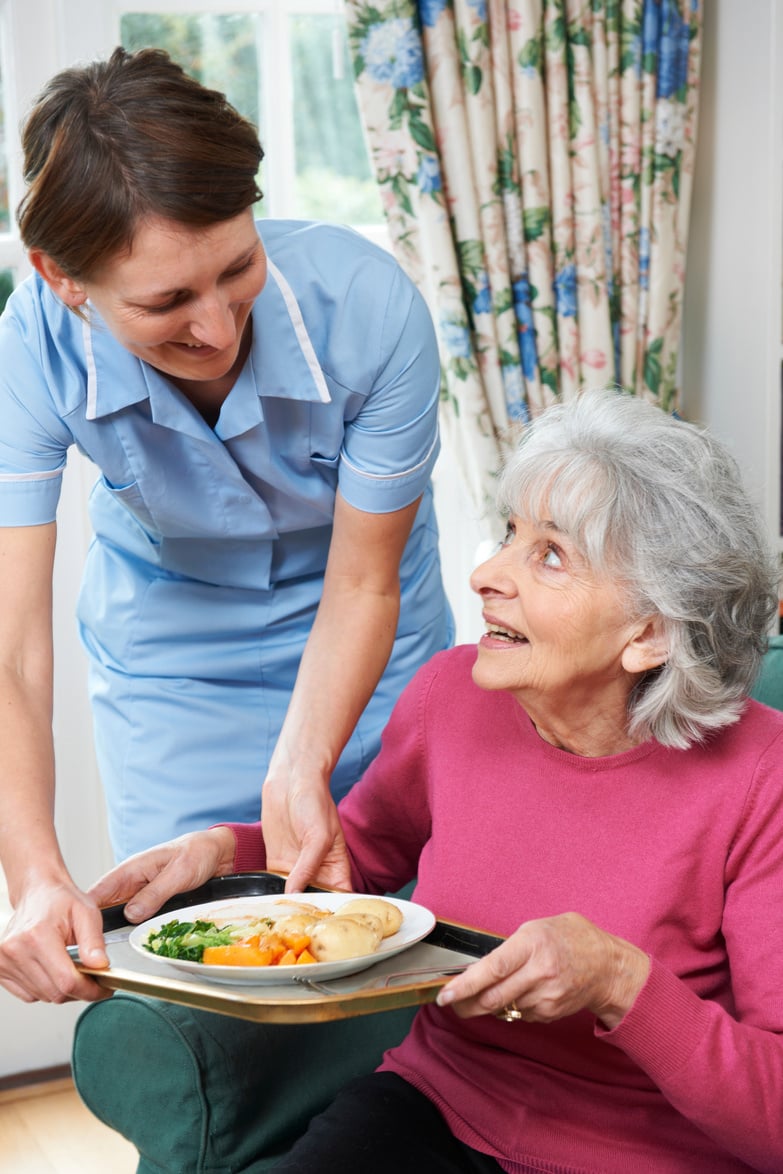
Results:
182 297
554 629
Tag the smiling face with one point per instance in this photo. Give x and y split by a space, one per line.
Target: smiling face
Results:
181 298
559 638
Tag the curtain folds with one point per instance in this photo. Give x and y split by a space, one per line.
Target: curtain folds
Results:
535 160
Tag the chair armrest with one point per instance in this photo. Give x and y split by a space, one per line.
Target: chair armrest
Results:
197 1092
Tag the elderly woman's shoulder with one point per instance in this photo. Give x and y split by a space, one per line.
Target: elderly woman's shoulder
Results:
447 680
755 738
762 724
764 714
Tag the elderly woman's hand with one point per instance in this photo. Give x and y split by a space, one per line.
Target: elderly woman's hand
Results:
145 881
34 964
551 968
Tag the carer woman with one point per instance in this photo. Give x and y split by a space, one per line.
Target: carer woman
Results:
260 401
592 782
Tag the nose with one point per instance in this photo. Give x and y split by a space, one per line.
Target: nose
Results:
488 577
213 323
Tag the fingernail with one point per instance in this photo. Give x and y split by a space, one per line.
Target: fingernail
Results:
132 910
445 997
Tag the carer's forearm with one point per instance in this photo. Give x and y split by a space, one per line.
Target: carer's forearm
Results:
28 842
344 658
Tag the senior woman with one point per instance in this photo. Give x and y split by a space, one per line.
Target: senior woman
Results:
260 401
593 783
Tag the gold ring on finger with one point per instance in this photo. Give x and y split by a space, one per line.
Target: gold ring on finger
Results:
511 1013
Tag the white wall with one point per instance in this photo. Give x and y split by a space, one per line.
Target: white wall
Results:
732 315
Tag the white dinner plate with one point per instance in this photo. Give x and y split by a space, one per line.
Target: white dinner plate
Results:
416 924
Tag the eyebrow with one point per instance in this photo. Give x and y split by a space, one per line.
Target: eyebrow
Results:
165 295
542 524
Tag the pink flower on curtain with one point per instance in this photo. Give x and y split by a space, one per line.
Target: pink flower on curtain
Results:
596 359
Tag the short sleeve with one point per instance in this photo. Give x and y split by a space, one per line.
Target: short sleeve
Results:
391 446
33 439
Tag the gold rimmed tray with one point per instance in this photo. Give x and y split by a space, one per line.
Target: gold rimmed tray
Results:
405 980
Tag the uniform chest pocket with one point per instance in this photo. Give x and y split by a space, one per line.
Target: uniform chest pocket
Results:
131 499
325 462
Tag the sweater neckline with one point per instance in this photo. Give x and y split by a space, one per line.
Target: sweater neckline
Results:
578 762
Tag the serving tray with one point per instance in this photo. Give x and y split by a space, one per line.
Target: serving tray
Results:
405 980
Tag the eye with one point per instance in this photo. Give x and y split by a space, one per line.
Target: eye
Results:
175 300
552 556
165 308
240 269
243 266
509 534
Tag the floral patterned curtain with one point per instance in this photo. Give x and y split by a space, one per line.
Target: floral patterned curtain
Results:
535 159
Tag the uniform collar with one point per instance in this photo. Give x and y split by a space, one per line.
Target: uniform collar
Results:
282 360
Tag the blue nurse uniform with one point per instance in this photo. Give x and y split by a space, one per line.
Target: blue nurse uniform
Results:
206 566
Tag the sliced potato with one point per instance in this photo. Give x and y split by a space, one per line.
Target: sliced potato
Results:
339 937
389 914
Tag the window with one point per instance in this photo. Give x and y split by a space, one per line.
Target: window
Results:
289 72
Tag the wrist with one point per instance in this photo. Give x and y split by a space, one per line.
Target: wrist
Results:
628 970
298 770
26 879
225 845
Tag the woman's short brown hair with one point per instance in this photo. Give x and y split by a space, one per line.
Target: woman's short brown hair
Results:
110 142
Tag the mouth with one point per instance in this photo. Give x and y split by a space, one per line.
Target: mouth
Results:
194 348
498 633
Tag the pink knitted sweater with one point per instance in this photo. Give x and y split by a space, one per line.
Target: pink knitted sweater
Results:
680 852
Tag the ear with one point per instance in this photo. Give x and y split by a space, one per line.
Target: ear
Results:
69 291
647 647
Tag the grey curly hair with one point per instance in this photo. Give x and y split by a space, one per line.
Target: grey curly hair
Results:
658 506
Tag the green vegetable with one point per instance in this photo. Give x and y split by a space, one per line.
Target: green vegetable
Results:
188 939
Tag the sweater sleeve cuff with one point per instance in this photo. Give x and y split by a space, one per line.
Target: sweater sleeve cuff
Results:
664 1027
250 851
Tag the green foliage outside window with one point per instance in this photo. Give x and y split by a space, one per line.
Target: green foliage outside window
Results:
6 286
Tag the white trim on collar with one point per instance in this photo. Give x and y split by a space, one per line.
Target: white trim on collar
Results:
92 374
303 338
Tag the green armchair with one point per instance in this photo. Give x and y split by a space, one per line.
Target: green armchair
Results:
769 684
199 1093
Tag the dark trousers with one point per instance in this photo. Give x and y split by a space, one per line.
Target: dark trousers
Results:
380 1124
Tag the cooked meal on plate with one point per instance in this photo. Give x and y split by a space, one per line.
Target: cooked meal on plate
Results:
286 934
